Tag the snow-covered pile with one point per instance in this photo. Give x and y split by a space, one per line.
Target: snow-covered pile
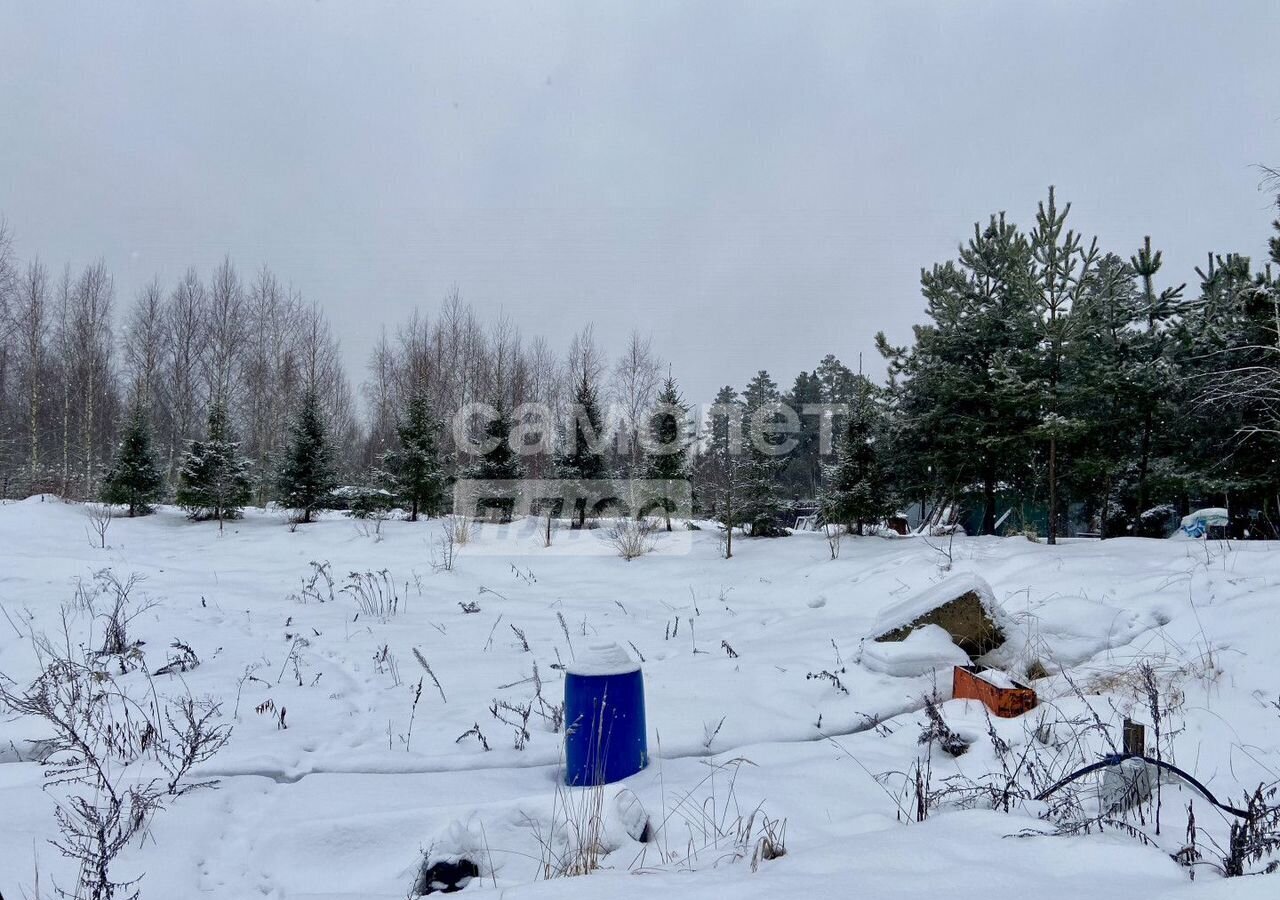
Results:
1197 523
925 649
910 609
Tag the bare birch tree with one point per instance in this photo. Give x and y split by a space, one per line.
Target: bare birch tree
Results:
144 348
65 342
8 329
635 380
186 341
323 374
30 315
270 371
91 325
380 395
226 336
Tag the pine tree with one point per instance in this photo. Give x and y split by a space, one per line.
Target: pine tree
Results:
1230 354
802 473
1154 380
762 502
1273 242
711 448
1059 274
1103 393
669 434
581 458
837 385
857 486
307 475
134 478
963 418
213 480
415 464
1227 352
1119 380
725 436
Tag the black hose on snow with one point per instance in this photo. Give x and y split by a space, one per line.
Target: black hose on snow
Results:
1114 759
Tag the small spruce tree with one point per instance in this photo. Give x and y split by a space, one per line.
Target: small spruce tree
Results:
415 464
134 479
858 485
581 459
500 463
669 432
761 503
214 481
722 467
307 475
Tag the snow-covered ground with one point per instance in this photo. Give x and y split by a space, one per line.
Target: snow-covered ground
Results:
343 802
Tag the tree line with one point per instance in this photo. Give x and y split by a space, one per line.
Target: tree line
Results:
1081 378
1074 386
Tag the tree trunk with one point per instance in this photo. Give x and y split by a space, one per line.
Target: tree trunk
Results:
1106 495
728 520
1053 490
34 423
988 503
66 436
1144 458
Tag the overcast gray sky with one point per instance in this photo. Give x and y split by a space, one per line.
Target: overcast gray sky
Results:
757 184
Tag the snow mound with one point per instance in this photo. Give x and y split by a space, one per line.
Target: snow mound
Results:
964 606
926 648
904 612
1072 630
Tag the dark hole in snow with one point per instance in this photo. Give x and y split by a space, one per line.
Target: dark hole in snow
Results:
445 877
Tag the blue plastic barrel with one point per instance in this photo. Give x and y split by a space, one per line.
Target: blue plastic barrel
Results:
604 739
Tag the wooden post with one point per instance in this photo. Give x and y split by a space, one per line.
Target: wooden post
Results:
1135 738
